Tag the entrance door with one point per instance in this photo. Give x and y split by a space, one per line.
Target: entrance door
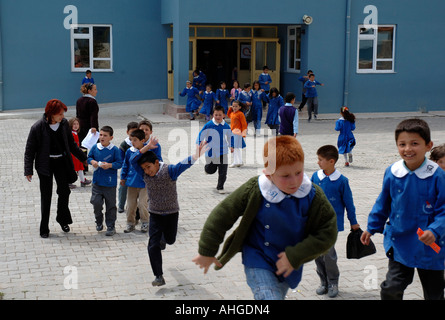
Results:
266 52
170 66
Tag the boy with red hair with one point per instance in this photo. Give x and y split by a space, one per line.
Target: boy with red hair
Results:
286 221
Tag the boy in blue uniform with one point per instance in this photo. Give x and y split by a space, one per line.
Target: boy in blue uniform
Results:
312 96
88 78
337 190
412 197
106 159
265 79
219 138
160 183
286 221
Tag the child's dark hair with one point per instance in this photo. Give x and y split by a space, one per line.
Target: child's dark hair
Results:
256 82
312 75
265 67
328 152
347 115
418 126
209 85
146 123
246 85
289 97
218 108
107 129
132 125
221 83
88 72
71 122
437 153
138 133
274 90
148 156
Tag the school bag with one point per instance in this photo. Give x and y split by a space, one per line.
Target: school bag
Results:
355 249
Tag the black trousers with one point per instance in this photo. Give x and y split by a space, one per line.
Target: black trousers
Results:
58 170
221 164
163 227
400 276
303 102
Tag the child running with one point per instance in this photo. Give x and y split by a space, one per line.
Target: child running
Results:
193 101
412 197
346 140
286 221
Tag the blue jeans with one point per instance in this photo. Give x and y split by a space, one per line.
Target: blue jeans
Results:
265 284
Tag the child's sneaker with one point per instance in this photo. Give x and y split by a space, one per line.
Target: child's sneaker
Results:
322 289
110 232
85 183
144 227
129 228
332 291
350 157
346 164
158 281
99 227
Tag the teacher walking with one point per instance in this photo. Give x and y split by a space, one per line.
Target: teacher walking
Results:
50 145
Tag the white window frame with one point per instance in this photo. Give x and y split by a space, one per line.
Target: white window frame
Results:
89 36
374 38
289 39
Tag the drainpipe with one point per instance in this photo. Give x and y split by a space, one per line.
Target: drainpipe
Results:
347 54
1 69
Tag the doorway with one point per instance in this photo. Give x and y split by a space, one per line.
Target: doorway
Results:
217 58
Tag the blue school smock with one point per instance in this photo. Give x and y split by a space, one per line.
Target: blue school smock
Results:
272 112
218 136
279 223
346 140
222 95
199 81
129 173
192 101
262 79
257 106
110 154
337 190
410 200
209 98
310 91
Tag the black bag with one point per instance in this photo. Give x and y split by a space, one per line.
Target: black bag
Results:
248 115
355 249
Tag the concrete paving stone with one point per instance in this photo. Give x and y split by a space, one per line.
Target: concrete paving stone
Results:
118 268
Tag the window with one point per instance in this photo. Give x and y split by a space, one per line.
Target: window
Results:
91 48
294 48
375 50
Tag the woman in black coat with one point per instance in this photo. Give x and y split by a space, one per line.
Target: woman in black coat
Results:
87 110
50 145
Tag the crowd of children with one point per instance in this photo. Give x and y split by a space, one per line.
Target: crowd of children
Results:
286 218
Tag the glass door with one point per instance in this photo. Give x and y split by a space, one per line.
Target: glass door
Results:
266 52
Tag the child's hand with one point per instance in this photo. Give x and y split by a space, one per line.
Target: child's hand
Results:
29 178
206 262
427 238
283 265
106 165
355 226
200 150
122 182
232 150
365 238
95 164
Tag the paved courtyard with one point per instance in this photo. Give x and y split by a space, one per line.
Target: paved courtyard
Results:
85 264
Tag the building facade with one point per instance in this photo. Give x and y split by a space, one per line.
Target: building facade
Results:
373 56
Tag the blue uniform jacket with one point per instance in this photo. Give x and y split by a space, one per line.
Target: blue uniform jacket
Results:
222 96
209 99
262 79
218 136
337 190
410 200
272 112
192 98
310 91
346 140
110 154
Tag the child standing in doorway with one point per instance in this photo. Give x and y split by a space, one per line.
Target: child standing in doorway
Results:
222 94
346 140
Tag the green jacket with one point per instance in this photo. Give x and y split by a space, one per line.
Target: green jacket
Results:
320 229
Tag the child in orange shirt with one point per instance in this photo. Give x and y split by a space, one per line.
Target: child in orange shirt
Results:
238 125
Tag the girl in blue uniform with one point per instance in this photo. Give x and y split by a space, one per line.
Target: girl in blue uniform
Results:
192 99
275 101
346 139
209 98
412 197
222 94
258 96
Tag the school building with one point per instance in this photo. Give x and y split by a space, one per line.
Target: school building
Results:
371 55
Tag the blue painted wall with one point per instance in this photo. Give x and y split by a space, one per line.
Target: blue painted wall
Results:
36 51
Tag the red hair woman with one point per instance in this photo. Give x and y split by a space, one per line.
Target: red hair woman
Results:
50 145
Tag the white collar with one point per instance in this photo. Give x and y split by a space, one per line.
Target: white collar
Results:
89 96
133 149
271 193
216 123
101 147
334 176
288 104
209 92
426 170
128 141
